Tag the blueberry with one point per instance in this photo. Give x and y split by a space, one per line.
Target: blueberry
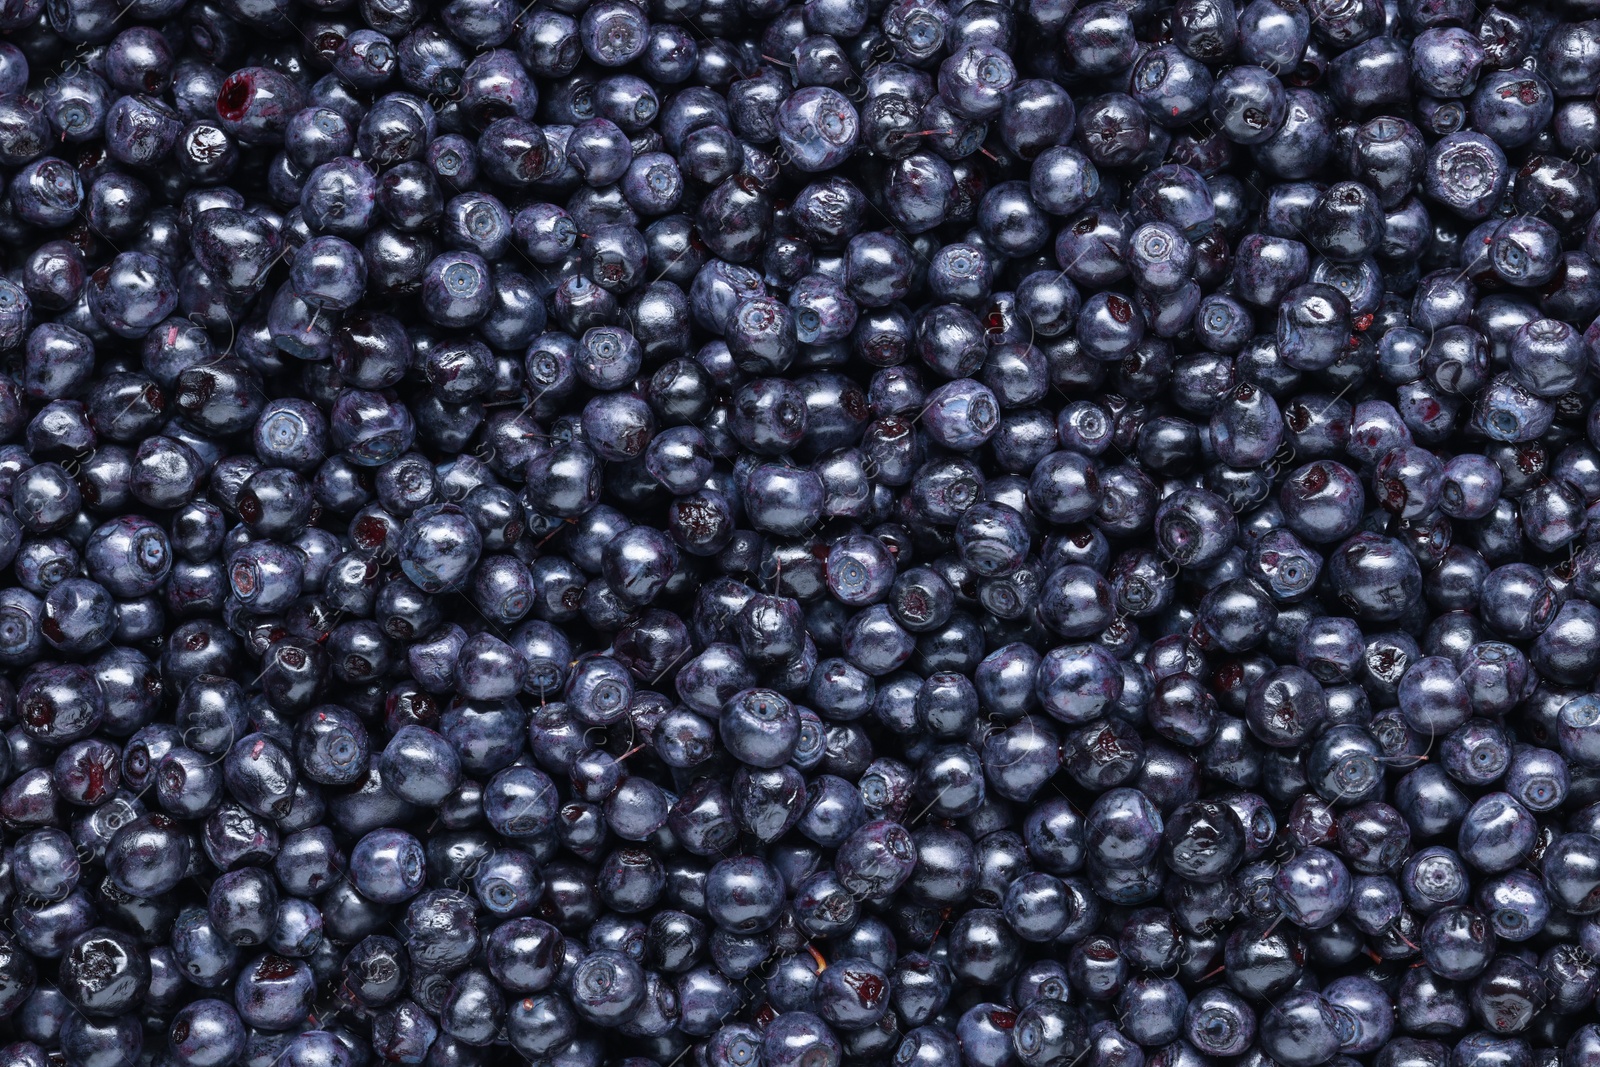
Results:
207 1033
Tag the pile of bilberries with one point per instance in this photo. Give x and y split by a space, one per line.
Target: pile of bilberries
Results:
932 533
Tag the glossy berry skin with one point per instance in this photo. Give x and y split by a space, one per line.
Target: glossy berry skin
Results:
1300 1029
1033 535
387 865
1248 104
206 1033
817 127
147 857
132 294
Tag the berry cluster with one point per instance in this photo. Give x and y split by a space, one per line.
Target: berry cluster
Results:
850 533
